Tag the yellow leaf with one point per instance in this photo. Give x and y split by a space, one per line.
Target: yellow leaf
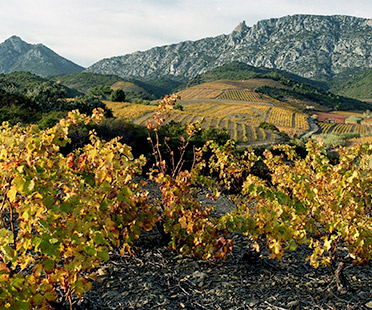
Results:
256 247
12 193
327 244
38 196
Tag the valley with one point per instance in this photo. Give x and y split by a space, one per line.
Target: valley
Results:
190 176
236 107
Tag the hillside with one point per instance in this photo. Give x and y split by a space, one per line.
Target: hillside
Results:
282 86
358 87
85 81
241 71
316 47
25 81
230 105
127 87
17 55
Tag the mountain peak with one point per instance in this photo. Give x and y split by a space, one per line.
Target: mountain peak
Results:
18 55
312 46
17 44
241 27
14 38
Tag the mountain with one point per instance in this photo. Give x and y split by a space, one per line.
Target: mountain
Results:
311 46
17 55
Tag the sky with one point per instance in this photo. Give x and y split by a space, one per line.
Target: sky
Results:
86 31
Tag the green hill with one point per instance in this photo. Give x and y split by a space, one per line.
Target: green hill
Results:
85 81
358 87
161 85
26 81
293 87
241 71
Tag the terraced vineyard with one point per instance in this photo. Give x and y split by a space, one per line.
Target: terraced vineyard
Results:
242 95
240 120
130 111
232 105
228 90
327 128
199 92
238 130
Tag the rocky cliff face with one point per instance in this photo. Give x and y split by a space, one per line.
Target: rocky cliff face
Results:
17 55
317 47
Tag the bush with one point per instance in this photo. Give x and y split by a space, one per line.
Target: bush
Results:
178 107
63 213
88 103
268 126
338 139
117 95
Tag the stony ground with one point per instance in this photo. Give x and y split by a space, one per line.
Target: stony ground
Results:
159 278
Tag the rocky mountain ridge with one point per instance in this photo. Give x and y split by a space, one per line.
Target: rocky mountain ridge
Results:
312 46
18 55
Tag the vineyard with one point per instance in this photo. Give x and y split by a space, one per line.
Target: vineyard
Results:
63 216
129 111
228 90
327 128
238 130
240 120
242 95
232 105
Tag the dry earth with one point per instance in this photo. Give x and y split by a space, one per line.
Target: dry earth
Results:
159 278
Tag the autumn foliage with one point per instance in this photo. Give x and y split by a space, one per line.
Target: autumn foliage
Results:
61 215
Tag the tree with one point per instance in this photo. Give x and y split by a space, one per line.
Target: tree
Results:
46 97
118 95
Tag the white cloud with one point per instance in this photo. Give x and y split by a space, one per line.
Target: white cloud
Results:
88 30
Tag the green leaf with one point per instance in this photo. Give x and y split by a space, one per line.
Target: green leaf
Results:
103 254
292 245
38 299
23 305
53 240
48 265
105 187
19 183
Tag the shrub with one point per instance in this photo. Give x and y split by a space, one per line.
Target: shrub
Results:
117 95
62 214
178 107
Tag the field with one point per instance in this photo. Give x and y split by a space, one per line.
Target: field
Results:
130 111
242 95
231 90
127 87
326 128
232 105
235 106
239 119
336 117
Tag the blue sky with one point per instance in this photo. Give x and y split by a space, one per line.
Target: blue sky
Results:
86 31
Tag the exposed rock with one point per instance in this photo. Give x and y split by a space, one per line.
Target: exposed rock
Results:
17 55
316 47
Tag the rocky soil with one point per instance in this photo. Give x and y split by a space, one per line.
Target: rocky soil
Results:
159 278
